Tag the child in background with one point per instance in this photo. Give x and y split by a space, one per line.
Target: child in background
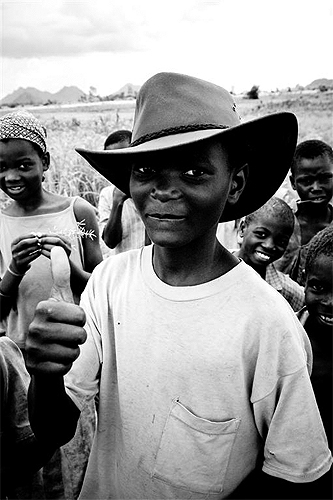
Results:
121 226
199 364
264 236
34 222
312 178
317 319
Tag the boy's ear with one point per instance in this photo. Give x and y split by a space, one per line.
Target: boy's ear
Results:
46 161
238 182
241 228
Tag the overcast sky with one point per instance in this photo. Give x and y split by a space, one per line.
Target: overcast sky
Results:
107 43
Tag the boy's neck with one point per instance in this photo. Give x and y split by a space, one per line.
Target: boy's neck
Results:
261 270
193 264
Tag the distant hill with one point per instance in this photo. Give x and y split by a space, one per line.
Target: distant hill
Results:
320 83
128 91
35 97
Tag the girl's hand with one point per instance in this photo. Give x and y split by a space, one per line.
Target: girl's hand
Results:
49 241
25 249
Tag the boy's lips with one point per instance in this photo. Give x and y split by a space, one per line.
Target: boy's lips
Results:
14 189
326 320
317 199
262 257
165 216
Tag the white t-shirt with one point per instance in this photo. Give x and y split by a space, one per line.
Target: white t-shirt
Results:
195 383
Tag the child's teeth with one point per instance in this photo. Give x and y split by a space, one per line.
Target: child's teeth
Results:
327 319
263 256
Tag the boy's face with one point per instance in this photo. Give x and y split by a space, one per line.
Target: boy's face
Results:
313 179
181 193
319 291
21 168
265 240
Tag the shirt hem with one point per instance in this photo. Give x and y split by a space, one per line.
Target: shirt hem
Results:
300 478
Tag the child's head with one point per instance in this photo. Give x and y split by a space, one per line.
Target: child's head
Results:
23 154
118 140
312 171
265 234
187 135
319 278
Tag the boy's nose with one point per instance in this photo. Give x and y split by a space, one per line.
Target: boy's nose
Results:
166 188
327 300
269 243
316 185
12 174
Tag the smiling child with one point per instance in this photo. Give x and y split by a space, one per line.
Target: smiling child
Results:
264 238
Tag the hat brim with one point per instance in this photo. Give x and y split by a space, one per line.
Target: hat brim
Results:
268 142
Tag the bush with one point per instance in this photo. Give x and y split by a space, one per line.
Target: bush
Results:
254 92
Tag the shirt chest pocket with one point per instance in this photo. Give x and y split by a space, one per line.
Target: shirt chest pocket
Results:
194 452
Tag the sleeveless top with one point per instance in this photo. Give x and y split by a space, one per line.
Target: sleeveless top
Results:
36 284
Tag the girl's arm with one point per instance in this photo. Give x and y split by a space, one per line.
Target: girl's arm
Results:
25 249
85 212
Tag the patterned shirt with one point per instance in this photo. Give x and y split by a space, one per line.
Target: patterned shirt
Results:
289 289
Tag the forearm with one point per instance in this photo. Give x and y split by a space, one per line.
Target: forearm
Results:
113 233
53 415
79 278
8 289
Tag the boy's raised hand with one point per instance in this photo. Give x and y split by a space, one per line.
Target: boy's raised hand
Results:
57 328
61 274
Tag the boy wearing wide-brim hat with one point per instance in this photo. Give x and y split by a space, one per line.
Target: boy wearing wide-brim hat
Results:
200 366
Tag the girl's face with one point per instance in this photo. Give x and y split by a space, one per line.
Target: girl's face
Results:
21 169
313 179
265 240
319 292
181 193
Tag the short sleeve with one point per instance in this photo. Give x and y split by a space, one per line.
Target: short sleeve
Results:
287 418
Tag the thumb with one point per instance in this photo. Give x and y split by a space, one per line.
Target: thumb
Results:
61 273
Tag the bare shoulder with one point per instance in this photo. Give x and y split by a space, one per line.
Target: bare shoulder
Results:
84 210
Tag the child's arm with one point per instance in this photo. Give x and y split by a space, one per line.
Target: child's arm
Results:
25 249
52 346
113 232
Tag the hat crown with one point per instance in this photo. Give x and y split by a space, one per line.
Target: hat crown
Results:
172 102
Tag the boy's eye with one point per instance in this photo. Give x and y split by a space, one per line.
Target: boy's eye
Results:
316 286
194 173
260 234
142 170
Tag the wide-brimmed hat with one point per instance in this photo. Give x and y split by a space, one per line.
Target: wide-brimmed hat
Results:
174 110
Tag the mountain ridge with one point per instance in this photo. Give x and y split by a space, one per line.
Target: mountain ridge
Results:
72 94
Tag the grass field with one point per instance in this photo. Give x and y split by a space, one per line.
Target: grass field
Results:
88 126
